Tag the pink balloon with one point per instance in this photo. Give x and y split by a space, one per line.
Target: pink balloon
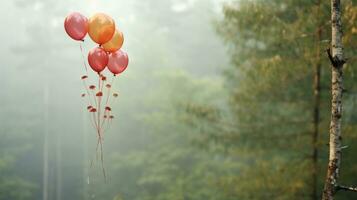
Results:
98 59
76 26
118 62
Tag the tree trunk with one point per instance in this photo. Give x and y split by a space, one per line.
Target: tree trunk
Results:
45 144
316 110
336 103
86 180
58 168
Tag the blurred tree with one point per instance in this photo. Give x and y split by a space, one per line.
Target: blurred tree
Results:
274 46
12 184
247 149
168 165
178 140
317 97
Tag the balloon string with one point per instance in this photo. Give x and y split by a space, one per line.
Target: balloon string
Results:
98 115
106 122
86 87
92 117
109 89
103 122
109 123
95 122
84 61
103 80
99 128
102 159
112 99
98 109
107 113
95 99
85 84
91 120
90 104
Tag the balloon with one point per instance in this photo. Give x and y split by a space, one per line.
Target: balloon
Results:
101 28
76 26
98 59
115 43
118 62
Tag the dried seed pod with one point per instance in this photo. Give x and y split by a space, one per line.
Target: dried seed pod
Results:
111 117
108 86
108 108
93 110
115 94
84 77
105 116
83 95
92 87
89 107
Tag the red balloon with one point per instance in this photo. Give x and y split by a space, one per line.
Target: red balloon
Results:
98 59
76 26
118 62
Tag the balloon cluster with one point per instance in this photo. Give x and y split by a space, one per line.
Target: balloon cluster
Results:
101 29
108 54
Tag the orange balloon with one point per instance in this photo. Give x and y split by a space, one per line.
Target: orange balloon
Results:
101 28
115 43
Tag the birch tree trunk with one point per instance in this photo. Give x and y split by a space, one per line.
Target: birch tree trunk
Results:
336 103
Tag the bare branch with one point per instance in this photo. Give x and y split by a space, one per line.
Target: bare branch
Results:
328 51
335 61
346 188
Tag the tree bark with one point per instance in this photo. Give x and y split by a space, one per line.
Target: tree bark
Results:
316 109
336 103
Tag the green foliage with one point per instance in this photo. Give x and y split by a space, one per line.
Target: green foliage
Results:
176 137
257 147
15 188
273 46
12 185
169 166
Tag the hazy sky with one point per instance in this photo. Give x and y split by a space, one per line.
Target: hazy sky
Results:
41 66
